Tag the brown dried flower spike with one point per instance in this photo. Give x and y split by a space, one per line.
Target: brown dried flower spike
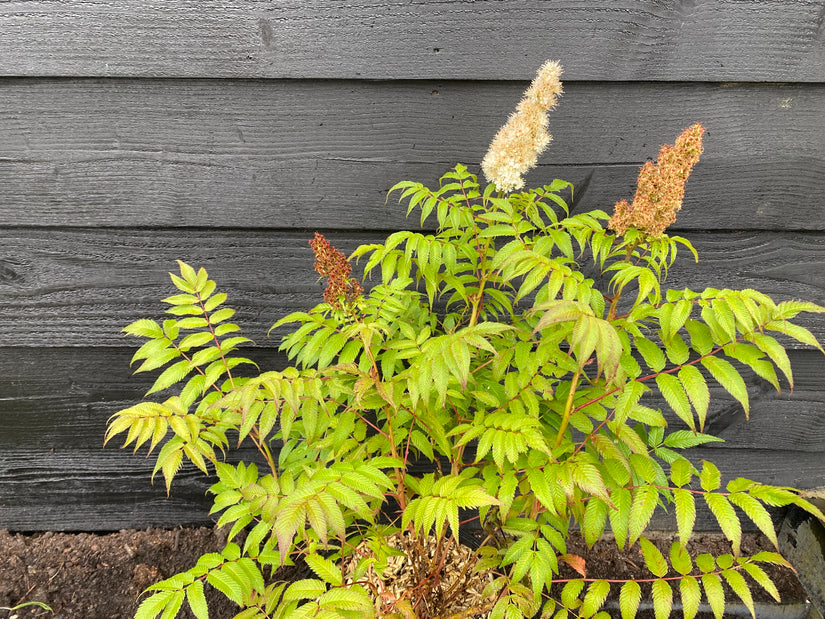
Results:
661 187
331 263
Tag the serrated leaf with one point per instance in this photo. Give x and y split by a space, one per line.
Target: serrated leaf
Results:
570 593
691 595
681 471
595 519
325 569
715 594
227 585
726 516
652 354
307 589
152 606
709 477
680 559
171 375
662 599
737 583
682 439
595 597
196 600
620 516
685 508
654 560
644 504
727 376
756 512
697 391
144 328
677 399
762 578
629 598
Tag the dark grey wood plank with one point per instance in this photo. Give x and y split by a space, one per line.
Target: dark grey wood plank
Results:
280 154
81 287
59 399
96 490
487 39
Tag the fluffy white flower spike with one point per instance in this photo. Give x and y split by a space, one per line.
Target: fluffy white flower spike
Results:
518 144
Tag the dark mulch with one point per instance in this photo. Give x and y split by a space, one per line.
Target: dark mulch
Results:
87 576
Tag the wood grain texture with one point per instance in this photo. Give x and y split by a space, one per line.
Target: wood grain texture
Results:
286 154
769 40
60 401
96 490
80 287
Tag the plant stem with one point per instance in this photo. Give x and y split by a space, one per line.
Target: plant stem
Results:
568 409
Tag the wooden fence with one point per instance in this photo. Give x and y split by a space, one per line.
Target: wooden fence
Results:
139 132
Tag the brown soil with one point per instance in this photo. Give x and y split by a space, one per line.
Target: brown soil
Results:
87 576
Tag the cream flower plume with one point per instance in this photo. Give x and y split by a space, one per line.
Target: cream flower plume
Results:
518 144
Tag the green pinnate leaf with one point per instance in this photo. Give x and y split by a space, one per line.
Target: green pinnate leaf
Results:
307 589
726 516
619 515
644 504
680 559
226 583
727 376
715 594
325 569
144 328
706 562
652 354
685 508
594 598
595 520
570 593
709 477
662 599
697 391
629 598
171 375
756 512
738 585
701 339
681 471
771 557
654 560
682 439
762 578
677 399
152 606
691 595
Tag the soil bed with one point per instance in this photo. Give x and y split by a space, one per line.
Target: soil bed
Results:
89 576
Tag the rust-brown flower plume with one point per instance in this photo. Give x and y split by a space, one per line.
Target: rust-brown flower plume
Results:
331 263
661 187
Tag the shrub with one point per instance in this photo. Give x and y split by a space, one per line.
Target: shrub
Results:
488 355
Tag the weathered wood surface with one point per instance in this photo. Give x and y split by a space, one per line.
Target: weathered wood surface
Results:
277 154
61 401
55 474
598 40
80 287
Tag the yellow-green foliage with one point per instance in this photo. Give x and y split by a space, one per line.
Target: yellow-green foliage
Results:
488 354
486 349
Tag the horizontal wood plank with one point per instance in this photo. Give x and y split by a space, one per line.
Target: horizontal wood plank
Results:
485 39
261 154
80 287
55 473
96 490
60 399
